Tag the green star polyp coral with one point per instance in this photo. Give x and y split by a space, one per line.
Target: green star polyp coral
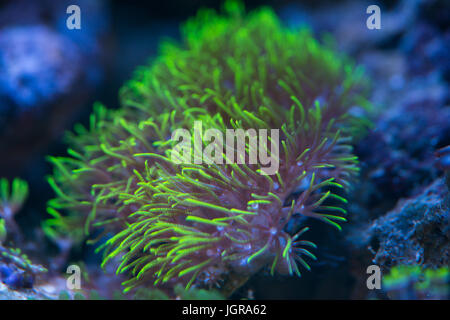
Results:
215 224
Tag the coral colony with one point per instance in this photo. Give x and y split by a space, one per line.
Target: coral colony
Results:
214 223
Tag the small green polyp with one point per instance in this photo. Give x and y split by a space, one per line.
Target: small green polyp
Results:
3 232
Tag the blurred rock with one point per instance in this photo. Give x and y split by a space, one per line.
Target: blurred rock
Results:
47 73
37 65
398 155
416 231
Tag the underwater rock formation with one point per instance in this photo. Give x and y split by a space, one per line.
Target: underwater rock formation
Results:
46 73
416 231
36 66
16 270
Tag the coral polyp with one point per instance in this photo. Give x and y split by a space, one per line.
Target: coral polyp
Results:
12 198
210 224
